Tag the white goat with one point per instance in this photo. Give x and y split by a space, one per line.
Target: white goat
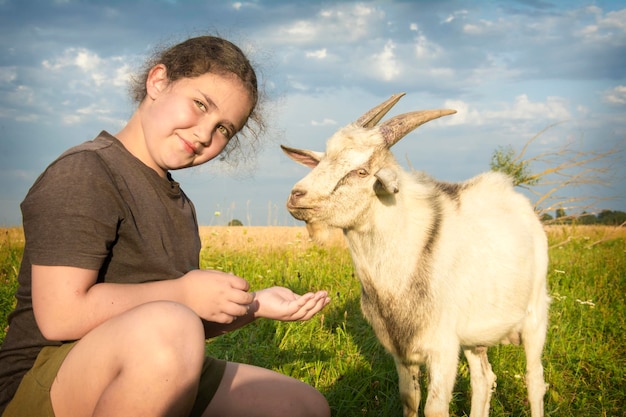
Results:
441 265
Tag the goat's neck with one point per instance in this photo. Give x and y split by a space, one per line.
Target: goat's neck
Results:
405 227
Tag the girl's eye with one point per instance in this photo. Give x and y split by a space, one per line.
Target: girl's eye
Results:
224 131
200 105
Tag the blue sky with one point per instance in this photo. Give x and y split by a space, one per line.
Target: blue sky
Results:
510 68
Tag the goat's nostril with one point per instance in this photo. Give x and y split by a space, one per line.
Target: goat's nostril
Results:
295 194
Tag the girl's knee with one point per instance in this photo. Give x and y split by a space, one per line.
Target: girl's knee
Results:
309 402
319 405
169 335
170 320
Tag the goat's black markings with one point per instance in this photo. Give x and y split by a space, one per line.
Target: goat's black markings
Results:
434 229
397 315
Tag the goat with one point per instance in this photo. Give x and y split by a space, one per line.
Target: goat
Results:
442 266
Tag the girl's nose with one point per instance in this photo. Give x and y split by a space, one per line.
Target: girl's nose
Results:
204 132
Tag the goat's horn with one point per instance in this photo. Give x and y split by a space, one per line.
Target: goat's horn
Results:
373 116
399 126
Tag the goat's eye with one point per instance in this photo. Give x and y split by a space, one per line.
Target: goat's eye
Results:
362 172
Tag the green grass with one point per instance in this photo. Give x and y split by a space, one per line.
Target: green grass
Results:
336 351
11 250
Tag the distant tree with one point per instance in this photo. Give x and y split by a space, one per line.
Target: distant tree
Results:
504 160
561 216
613 218
549 173
586 218
235 222
545 217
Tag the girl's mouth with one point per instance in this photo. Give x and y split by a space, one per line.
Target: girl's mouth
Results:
189 147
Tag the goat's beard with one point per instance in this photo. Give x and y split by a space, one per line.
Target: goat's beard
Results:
318 232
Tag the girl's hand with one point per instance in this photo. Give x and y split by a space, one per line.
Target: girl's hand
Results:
282 304
217 296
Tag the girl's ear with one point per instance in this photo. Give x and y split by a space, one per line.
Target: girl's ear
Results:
157 81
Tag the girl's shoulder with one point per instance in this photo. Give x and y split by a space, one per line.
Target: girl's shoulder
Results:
104 141
105 152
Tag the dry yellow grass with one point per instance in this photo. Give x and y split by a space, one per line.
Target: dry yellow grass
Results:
594 234
11 234
276 237
261 237
230 237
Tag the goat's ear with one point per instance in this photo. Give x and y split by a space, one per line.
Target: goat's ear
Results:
387 181
302 156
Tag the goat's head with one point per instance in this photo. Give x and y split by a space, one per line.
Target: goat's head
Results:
356 168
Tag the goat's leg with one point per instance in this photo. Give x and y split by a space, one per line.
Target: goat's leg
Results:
533 339
408 378
482 378
442 370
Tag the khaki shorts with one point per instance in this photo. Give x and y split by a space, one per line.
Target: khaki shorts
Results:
33 395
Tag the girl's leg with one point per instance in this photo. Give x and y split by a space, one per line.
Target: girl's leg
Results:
250 391
146 361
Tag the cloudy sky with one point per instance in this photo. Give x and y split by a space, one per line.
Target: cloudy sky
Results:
510 68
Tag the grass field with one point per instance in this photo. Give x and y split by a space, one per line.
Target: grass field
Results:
584 357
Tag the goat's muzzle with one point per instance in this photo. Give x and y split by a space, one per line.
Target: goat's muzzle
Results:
295 207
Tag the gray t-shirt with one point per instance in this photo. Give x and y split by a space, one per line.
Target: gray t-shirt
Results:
96 207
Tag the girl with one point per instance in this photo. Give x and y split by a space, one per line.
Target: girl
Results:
113 310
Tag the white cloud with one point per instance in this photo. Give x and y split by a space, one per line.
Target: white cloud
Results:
477 29
554 108
87 60
95 108
319 54
122 75
348 22
463 115
93 71
71 119
609 27
493 68
386 63
426 49
615 96
354 20
17 104
74 57
521 109
324 122
616 19
27 118
8 74
454 16
301 30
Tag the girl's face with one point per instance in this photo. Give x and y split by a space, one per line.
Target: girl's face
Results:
190 121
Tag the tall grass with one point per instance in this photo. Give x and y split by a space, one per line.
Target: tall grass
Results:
584 357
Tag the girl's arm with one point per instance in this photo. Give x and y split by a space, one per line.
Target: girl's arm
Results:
68 302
